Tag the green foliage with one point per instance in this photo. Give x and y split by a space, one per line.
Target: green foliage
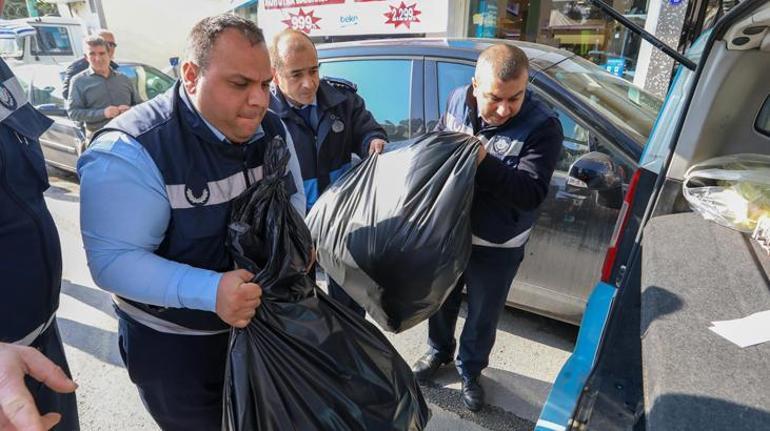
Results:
18 9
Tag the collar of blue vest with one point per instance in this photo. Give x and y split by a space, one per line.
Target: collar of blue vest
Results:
194 118
326 98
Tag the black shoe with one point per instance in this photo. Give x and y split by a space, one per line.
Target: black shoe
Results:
425 368
473 394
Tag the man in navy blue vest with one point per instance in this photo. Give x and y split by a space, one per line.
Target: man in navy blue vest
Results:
522 140
30 259
156 190
327 119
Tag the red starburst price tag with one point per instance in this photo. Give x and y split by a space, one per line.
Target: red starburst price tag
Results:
304 22
402 14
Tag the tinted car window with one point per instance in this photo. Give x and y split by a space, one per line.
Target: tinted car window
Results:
451 76
385 86
763 120
148 81
156 82
575 142
52 40
628 107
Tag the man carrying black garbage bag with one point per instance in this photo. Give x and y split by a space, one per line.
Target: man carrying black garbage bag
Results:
305 362
522 137
157 185
327 119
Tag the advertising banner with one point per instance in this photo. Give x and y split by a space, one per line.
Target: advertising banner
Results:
353 17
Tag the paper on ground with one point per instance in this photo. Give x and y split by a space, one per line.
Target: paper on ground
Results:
748 331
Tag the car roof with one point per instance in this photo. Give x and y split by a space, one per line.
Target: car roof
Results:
540 56
42 20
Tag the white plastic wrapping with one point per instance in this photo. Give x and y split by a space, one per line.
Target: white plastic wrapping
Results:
733 191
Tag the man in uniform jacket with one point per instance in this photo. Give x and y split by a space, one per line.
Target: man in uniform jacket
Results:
328 122
30 253
522 139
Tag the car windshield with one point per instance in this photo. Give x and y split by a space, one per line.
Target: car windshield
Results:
625 105
11 48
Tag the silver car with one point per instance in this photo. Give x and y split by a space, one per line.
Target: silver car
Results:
606 121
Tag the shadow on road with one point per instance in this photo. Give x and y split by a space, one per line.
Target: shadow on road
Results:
505 392
544 330
96 298
61 194
101 344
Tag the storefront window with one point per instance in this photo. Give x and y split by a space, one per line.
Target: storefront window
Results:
573 25
499 19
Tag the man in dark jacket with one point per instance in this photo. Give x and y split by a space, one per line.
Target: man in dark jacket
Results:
327 120
30 253
523 136
81 64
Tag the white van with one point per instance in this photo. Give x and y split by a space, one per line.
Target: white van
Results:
41 40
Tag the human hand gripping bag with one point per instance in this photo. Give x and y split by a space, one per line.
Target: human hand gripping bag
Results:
304 362
395 230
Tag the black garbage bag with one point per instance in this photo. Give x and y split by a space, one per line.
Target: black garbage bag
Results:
305 362
395 231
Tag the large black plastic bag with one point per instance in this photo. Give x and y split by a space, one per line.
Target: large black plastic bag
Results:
305 362
395 231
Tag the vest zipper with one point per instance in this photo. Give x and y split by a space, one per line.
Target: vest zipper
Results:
244 167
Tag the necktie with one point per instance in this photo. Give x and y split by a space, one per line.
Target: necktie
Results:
304 113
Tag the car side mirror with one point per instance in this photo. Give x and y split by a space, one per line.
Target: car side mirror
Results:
596 171
52 109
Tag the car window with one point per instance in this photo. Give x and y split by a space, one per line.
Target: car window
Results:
11 47
628 107
148 81
47 88
131 71
385 86
763 120
576 140
156 82
663 135
52 40
451 76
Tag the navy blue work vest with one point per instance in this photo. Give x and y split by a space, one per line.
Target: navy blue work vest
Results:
30 253
492 220
202 175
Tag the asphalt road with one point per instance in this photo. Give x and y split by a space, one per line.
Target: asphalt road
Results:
527 356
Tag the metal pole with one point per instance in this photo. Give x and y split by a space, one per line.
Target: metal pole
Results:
609 10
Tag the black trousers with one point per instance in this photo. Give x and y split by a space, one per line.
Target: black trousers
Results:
49 343
180 377
488 279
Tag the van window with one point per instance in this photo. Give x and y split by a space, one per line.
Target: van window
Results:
763 119
53 40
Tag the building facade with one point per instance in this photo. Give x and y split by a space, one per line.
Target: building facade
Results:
153 31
